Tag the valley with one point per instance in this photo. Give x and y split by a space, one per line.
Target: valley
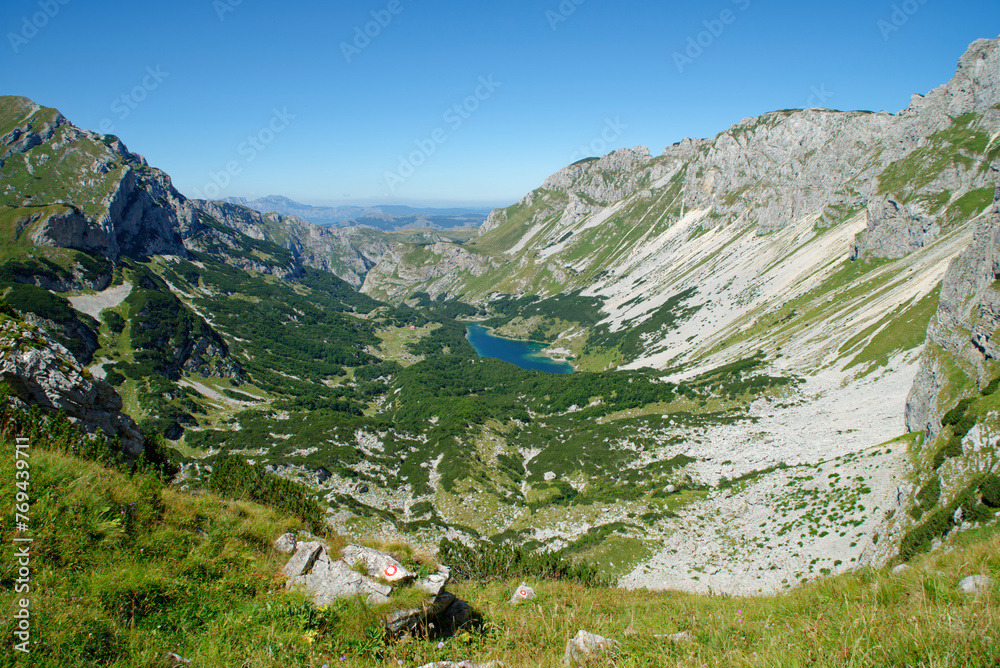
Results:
767 330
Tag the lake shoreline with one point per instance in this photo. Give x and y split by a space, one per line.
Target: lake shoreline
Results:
526 354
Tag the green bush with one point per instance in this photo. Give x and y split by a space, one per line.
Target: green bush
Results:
113 319
921 538
990 490
956 413
236 478
485 561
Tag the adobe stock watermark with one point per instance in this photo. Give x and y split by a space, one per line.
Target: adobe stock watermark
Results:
599 145
31 25
562 13
900 16
223 7
714 28
248 149
123 105
22 554
363 35
818 96
454 116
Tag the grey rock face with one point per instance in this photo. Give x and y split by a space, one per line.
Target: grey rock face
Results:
968 314
496 218
894 231
393 278
28 135
42 373
348 253
608 179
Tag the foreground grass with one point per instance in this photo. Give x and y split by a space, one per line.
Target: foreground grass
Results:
125 569
868 618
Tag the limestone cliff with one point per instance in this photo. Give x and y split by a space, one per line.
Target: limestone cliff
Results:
40 372
964 329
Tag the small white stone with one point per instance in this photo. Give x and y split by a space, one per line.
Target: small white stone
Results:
975 584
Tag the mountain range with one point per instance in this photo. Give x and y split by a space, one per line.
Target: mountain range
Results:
386 217
783 337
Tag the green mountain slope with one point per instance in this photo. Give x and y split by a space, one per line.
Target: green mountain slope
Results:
768 329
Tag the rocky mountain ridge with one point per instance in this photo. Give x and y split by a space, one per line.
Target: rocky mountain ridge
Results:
110 203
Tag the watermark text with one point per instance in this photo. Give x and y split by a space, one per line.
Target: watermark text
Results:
22 546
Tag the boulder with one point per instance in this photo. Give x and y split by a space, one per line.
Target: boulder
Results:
975 584
522 593
682 636
584 646
41 372
377 563
327 579
332 579
901 568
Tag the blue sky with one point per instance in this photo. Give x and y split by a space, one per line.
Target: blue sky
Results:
457 103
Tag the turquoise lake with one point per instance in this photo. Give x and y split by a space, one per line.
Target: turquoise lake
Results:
525 354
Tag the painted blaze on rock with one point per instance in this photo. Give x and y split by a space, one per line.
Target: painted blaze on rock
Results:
522 593
378 564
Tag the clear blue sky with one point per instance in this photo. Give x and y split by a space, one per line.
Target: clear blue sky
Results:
560 75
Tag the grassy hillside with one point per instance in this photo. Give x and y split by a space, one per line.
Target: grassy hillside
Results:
125 568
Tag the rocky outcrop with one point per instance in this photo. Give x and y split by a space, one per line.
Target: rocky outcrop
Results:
26 136
397 275
496 218
328 578
608 179
42 373
72 332
118 204
894 231
964 326
348 253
